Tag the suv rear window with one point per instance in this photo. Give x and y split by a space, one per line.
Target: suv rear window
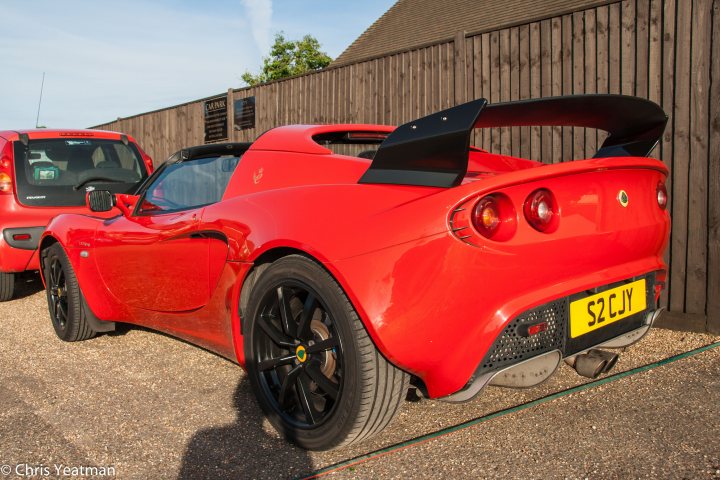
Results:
58 172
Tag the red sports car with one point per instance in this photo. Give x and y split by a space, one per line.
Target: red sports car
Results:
342 264
47 172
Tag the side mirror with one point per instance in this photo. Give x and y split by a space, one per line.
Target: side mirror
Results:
100 201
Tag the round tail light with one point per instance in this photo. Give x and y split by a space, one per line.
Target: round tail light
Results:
541 211
662 197
494 217
486 216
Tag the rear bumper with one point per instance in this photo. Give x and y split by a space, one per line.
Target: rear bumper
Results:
18 253
436 306
18 256
535 358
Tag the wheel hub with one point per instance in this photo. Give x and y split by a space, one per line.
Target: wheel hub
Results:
301 354
328 362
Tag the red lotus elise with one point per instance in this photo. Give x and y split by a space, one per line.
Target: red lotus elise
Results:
343 264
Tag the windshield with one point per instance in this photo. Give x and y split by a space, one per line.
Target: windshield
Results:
58 172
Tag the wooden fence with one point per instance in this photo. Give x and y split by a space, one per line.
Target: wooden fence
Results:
657 49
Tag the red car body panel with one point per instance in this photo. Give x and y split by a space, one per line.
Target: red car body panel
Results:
432 302
14 214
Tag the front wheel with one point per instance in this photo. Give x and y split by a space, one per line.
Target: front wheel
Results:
7 286
315 371
65 300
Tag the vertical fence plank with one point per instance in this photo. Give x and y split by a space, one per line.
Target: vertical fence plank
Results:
695 297
567 80
578 37
524 70
496 137
590 62
642 36
668 104
505 136
535 87
601 85
713 282
546 85
514 86
486 83
459 68
681 147
627 36
556 72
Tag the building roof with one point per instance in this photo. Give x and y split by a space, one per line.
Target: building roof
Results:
412 23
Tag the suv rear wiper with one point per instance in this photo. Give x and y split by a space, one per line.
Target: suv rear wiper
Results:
96 179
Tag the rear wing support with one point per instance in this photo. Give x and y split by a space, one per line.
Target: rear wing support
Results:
433 150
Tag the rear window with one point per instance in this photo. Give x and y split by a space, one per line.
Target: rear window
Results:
58 172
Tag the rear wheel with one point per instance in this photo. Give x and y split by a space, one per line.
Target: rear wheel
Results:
312 366
7 286
65 300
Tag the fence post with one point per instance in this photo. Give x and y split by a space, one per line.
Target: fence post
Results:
230 116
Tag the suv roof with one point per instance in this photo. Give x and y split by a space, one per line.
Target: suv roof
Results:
35 133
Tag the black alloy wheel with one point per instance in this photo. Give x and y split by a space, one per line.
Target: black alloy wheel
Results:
65 300
57 290
311 364
299 355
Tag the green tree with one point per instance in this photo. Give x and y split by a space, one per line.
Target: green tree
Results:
288 58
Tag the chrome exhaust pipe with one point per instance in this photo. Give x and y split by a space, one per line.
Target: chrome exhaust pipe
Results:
592 363
609 357
589 365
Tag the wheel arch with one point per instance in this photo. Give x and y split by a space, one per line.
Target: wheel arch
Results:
265 258
46 242
260 263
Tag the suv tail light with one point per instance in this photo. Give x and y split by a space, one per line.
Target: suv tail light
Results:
541 211
6 169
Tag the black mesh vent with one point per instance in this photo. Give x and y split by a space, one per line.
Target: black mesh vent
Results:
512 347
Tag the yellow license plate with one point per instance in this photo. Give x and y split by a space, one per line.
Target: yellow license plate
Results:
596 311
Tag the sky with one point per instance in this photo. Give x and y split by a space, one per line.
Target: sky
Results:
104 60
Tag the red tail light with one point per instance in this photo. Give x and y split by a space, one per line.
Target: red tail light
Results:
487 216
541 211
494 217
662 197
6 169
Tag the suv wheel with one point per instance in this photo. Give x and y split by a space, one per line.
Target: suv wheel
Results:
7 286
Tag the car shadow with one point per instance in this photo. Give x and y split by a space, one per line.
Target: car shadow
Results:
27 284
247 448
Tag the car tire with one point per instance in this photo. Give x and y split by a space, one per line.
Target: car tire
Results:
312 366
65 300
7 286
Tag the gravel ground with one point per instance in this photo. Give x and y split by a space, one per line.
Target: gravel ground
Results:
150 406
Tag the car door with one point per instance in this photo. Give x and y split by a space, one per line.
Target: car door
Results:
156 258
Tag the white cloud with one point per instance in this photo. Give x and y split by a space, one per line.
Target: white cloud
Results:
260 15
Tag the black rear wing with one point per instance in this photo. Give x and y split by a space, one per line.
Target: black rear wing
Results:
433 150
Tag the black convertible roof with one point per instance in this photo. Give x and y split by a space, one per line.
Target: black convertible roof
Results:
212 149
433 150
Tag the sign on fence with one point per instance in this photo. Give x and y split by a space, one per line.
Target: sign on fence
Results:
216 120
244 113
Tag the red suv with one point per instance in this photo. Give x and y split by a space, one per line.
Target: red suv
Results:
47 172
